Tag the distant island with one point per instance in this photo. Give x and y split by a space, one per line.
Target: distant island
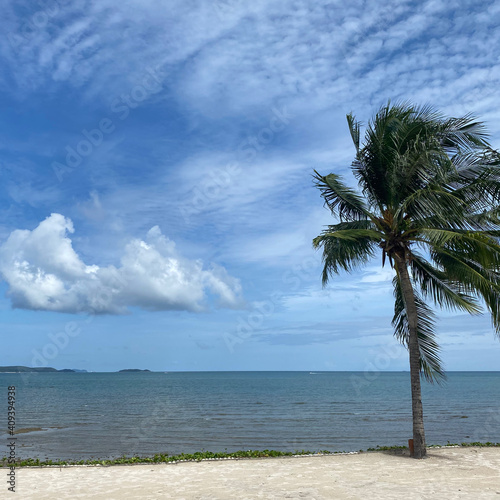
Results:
133 370
48 369
28 369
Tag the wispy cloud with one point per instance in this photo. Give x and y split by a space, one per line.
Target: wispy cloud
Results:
253 55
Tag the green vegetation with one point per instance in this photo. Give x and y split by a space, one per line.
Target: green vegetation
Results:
208 455
164 458
428 199
387 448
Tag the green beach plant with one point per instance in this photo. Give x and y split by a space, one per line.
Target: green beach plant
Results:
161 458
429 202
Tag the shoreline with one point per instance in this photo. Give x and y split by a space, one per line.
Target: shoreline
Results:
208 456
446 473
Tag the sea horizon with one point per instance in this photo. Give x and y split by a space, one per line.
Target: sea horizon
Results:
146 370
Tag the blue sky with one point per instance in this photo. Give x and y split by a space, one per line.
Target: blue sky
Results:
156 193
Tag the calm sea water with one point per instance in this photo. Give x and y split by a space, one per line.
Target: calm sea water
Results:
105 415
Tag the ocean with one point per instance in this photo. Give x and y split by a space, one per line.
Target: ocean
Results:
74 416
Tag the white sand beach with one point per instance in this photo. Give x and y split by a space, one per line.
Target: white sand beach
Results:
447 473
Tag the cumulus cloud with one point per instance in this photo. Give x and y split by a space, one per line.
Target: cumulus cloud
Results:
44 272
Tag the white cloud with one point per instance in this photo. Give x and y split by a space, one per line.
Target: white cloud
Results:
229 56
378 275
44 272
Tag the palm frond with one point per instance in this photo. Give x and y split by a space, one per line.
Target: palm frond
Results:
340 199
432 203
355 234
473 276
436 285
354 129
355 224
430 363
463 133
483 245
346 250
487 220
402 153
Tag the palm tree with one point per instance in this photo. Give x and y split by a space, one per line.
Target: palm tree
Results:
430 189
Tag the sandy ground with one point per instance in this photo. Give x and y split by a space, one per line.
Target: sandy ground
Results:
472 473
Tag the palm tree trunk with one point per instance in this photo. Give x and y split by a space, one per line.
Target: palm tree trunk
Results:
413 348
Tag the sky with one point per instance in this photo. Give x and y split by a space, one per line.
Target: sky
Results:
156 190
